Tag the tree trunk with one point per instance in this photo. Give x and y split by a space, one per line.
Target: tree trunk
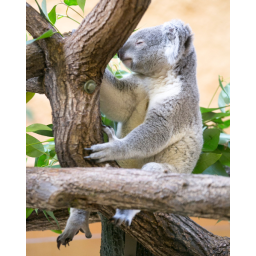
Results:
112 239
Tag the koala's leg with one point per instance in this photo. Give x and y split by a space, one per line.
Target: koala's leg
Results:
78 220
125 216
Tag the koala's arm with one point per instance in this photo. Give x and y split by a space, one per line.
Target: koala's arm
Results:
146 140
117 97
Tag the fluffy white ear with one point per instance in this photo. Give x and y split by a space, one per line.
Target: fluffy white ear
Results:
189 40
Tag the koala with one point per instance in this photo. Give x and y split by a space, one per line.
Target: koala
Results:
156 107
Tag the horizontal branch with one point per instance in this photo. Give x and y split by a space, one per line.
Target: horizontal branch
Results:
35 61
189 195
39 222
35 85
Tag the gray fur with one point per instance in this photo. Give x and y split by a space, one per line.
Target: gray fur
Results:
156 107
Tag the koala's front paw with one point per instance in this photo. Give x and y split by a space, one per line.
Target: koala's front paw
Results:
106 151
125 216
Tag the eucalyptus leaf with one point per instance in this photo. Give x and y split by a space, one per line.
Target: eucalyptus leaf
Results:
211 139
224 97
225 124
206 110
47 34
52 15
29 96
70 2
28 212
44 9
52 215
56 231
37 127
211 115
34 148
224 138
81 4
42 161
225 154
216 169
48 133
205 161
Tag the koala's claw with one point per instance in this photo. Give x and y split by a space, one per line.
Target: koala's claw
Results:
65 242
62 240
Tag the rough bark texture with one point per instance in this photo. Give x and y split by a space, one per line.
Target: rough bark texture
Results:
35 84
189 195
38 222
35 61
71 62
169 234
112 239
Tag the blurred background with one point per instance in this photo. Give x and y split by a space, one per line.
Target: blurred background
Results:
210 23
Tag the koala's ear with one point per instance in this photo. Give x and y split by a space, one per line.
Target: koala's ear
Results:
189 41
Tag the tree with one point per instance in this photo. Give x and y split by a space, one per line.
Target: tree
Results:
69 71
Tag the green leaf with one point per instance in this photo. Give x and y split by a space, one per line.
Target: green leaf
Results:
29 96
42 161
52 15
55 166
209 116
47 34
52 215
34 148
28 212
205 161
40 9
49 146
224 138
224 97
44 9
224 88
48 133
211 139
70 2
36 210
36 127
225 124
216 169
56 231
225 154
206 110
81 4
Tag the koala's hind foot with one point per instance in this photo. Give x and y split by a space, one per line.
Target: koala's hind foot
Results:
156 167
125 216
78 220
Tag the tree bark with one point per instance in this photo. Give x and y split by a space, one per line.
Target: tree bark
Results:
195 195
39 222
35 61
35 85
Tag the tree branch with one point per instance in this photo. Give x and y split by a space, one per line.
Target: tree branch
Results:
35 84
165 234
35 62
39 222
189 195
36 24
101 34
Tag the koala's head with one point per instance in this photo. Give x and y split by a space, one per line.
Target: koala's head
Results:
151 50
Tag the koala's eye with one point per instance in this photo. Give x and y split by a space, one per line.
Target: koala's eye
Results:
139 42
